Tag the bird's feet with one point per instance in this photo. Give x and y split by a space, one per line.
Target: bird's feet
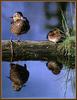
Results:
18 40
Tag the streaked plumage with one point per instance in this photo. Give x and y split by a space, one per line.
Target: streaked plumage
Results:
55 35
19 24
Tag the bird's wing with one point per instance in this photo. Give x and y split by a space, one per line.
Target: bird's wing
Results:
25 19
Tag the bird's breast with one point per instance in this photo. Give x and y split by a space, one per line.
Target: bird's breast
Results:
19 27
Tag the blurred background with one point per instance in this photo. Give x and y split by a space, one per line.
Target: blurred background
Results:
43 17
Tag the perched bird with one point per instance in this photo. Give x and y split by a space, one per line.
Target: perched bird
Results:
19 24
55 35
54 66
18 75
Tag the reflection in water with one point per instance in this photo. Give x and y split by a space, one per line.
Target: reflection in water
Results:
18 75
69 76
54 66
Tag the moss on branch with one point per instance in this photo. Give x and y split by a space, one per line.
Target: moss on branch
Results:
39 50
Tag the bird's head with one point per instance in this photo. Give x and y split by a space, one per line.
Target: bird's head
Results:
16 87
17 16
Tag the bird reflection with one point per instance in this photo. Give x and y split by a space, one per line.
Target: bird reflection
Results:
54 66
18 75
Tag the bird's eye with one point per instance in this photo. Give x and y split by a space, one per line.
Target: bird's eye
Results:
14 16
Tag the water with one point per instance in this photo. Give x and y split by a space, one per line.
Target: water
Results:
42 83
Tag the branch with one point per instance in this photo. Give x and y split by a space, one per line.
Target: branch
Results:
28 50
31 50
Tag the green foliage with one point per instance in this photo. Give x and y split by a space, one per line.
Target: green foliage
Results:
67 50
67 47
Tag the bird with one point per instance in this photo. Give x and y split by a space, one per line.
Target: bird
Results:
19 24
55 35
18 75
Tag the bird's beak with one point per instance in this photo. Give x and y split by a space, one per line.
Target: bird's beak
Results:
11 17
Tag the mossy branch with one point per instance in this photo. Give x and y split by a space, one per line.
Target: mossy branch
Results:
28 50
35 50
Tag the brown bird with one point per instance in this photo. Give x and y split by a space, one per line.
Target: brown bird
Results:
19 24
55 35
18 75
